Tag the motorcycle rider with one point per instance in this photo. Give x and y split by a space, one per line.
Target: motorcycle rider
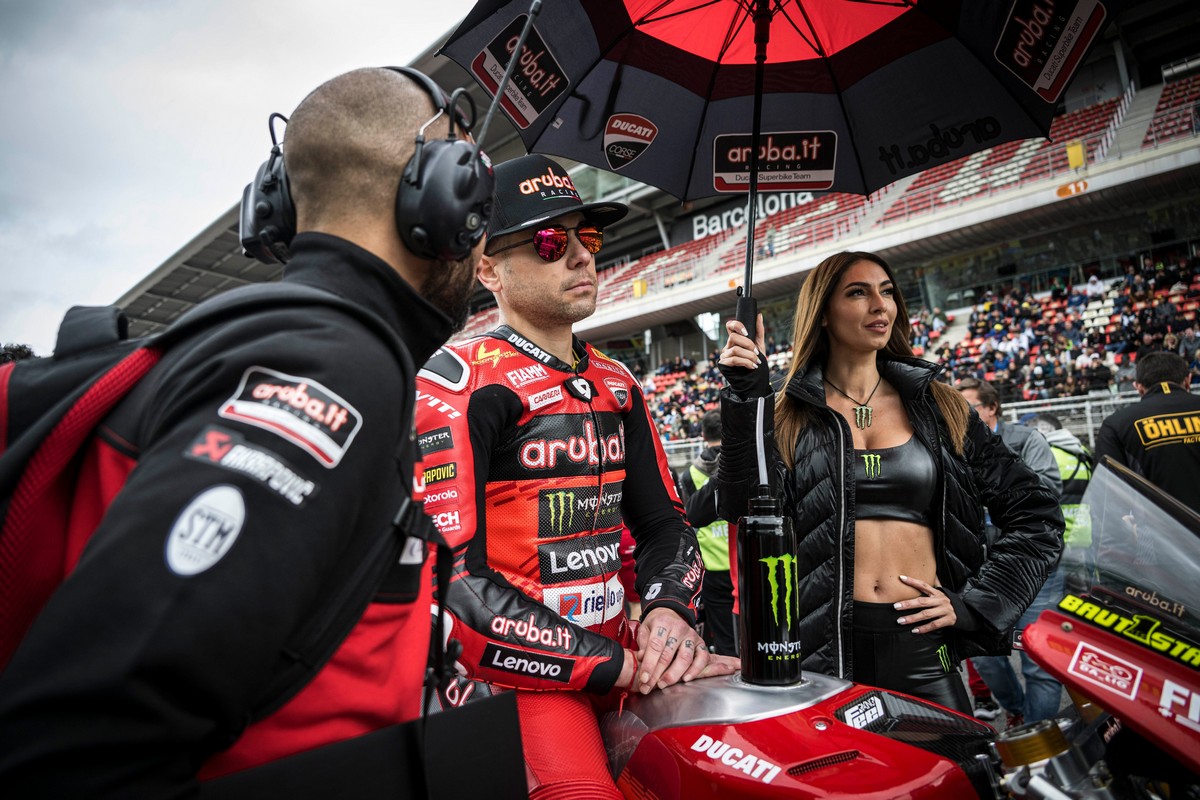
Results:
537 446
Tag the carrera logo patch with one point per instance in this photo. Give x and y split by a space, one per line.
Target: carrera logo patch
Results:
523 376
524 662
435 441
205 530
1108 671
542 399
619 389
626 136
442 472
300 410
230 451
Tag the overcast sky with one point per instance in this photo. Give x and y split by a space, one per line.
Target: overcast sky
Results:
128 126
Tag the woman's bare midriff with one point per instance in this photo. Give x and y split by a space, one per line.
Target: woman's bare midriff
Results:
885 549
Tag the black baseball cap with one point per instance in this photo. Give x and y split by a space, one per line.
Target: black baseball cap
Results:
533 189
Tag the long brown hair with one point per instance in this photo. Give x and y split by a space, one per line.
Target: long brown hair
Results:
810 344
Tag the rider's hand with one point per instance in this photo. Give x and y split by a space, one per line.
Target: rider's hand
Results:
670 650
743 363
932 609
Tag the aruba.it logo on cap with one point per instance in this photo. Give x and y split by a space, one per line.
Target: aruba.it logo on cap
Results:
549 184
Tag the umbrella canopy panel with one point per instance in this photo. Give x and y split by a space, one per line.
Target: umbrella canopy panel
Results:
856 94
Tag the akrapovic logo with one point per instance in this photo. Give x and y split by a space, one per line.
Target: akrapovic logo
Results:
626 136
871 464
562 512
435 441
1163 429
580 559
230 450
300 410
441 472
527 663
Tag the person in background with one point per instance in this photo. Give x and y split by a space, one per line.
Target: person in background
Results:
1075 464
1041 695
1154 437
698 486
896 585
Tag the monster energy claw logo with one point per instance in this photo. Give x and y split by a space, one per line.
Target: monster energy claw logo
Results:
943 654
863 416
562 510
789 565
871 464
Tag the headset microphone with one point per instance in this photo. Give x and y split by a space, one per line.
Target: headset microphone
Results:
267 221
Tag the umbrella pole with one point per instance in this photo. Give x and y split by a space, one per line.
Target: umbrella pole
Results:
747 307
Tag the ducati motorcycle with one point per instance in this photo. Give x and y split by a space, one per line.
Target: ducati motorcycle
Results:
1124 641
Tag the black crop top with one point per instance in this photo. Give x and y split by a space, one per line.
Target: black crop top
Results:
895 482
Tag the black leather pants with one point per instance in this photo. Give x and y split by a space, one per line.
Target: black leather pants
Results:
889 655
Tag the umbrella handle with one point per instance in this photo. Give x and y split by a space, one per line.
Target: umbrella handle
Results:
747 313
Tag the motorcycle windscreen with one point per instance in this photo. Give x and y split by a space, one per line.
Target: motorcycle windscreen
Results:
1145 549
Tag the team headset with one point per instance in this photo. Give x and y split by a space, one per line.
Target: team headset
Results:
442 206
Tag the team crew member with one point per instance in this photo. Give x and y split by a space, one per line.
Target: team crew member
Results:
1159 437
536 447
254 468
884 471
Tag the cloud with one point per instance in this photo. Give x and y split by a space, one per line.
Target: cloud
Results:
130 126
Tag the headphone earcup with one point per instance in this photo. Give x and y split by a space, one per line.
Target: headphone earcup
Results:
267 222
445 200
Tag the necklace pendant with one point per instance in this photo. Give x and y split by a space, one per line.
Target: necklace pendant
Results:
864 415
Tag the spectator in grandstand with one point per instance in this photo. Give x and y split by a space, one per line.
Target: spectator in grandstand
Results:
1040 697
1095 288
1165 314
1076 299
1098 377
1058 288
1139 292
1136 437
857 405
1147 345
1189 344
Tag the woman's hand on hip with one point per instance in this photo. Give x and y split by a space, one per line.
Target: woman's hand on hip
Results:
929 612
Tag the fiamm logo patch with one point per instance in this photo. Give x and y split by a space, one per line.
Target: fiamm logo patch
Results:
298 409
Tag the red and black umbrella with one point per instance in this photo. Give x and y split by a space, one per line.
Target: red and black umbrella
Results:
696 96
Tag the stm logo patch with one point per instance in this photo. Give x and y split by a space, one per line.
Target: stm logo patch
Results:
626 136
298 409
205 530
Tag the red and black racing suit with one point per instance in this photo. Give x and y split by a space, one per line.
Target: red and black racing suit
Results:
530 467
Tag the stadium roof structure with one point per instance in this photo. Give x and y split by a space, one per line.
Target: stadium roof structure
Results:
1152 35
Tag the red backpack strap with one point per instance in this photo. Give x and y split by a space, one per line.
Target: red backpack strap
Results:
31 557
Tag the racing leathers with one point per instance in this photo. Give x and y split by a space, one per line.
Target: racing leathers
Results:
531 464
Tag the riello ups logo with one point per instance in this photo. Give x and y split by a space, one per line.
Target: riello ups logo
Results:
783 577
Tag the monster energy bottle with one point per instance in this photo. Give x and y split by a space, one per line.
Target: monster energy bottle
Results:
768 588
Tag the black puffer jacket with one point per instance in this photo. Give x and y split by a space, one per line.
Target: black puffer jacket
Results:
819 491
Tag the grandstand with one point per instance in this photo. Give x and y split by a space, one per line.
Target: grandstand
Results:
1118 179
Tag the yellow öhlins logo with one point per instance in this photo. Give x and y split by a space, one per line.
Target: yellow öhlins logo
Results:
1183 428
872 463
790 569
